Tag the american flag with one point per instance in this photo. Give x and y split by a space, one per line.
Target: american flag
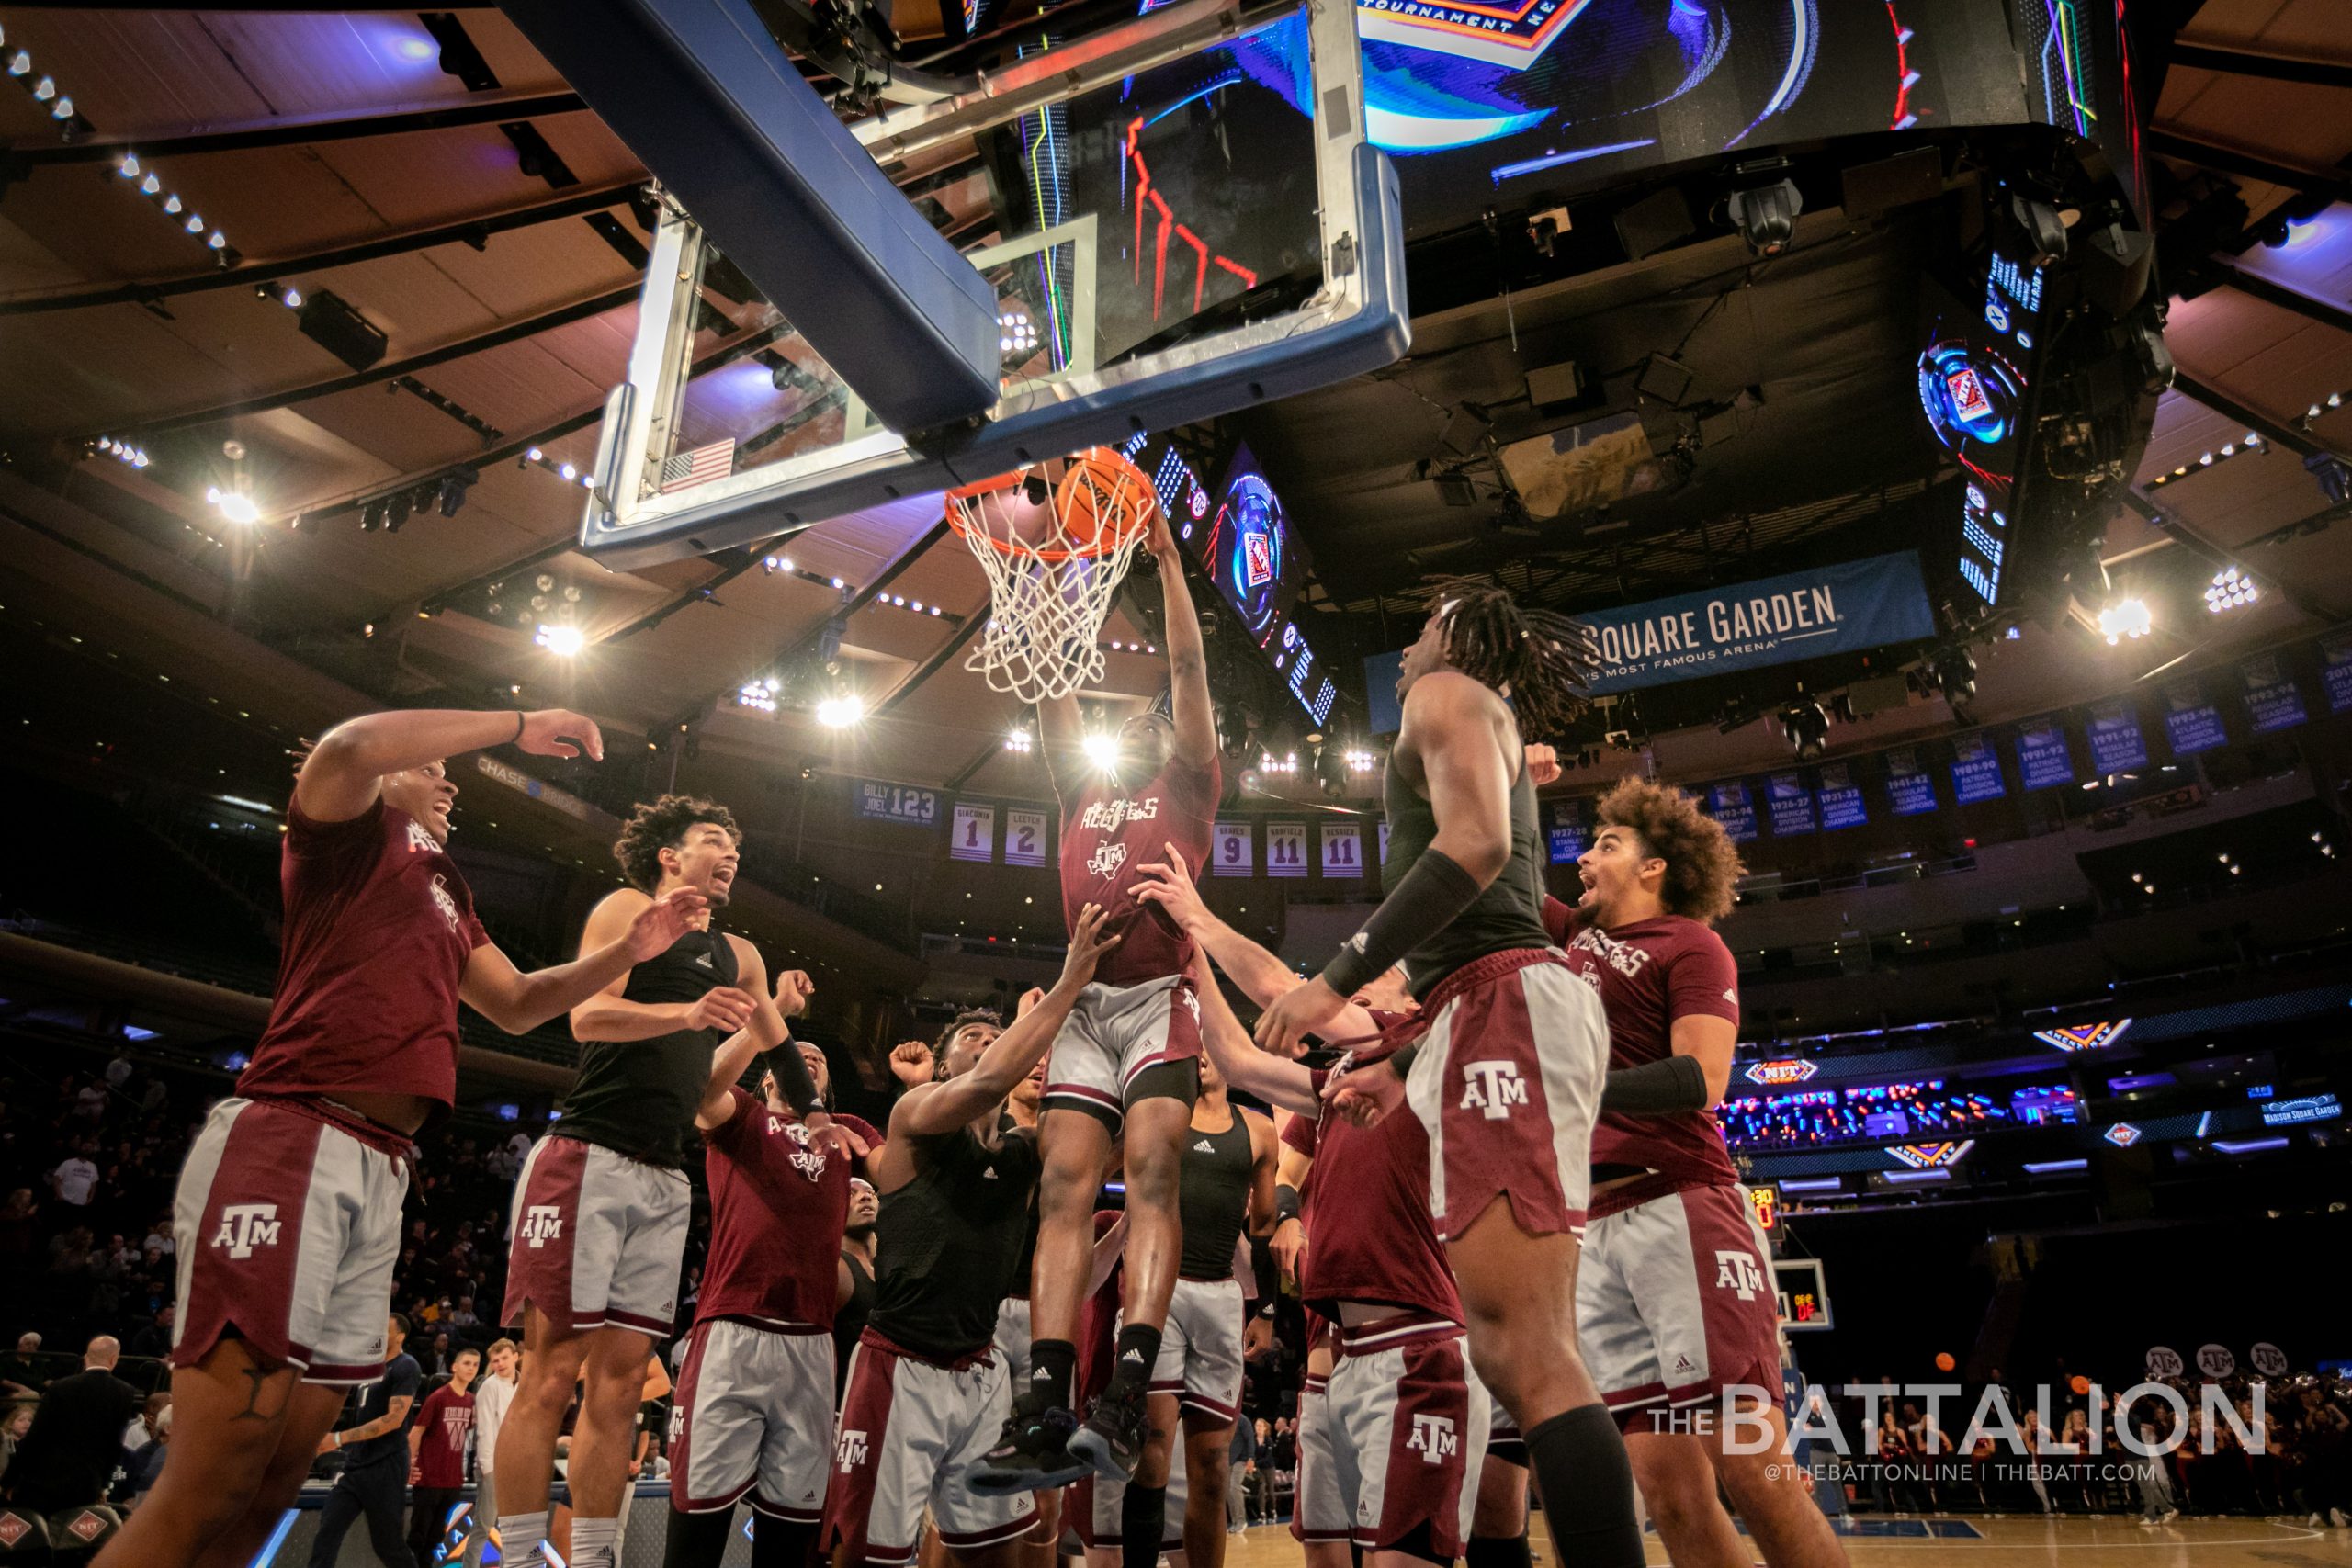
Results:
715 461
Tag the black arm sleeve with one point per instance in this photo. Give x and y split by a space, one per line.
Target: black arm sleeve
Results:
792 1075
1656 1089
1263 1270
1425 903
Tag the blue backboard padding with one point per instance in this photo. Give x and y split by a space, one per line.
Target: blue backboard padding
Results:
1371 339
713 106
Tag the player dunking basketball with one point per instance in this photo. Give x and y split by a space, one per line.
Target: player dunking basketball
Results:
289 1208
1124 1064
1674 1304
1504 1064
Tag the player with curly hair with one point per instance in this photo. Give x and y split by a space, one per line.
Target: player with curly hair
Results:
1674 1304
600 1208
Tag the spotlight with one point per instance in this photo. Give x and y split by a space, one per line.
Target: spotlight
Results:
1767 217
841 712
1806 728
1016 333
2125 618
396 510
236 506
45 89
1018 740
371 517
453 488
564 640
2229 589
1102 751
1954 670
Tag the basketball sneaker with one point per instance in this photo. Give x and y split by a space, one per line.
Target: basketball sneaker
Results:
1111 1437
1032 1455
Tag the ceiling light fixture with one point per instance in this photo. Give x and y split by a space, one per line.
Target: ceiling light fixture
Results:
2125 618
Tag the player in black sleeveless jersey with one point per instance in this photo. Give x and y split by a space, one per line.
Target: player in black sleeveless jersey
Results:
927 1391
600 1211
1506 1060
1226 1179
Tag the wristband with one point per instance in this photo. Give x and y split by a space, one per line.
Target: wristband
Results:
521 724
338 1439
1400 1060
1267 1311
1655 1089
1426 902
1287 1202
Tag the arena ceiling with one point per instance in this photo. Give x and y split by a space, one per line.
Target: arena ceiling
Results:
485 224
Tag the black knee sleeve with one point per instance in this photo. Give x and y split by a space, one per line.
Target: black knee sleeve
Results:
1586 1485
695 1540
1498 1551
778 1543
1168 1080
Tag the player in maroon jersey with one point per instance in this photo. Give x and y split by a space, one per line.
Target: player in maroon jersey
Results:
1124 1066
1504 1064
1403 1429
1675 1302
438 1441
754 1413
289 1202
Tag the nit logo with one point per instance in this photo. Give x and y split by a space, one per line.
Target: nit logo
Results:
13 1529
850 1452
1258 558
542 1223
1492 1088
1433 1438
245 1226
1736 1270
87 1526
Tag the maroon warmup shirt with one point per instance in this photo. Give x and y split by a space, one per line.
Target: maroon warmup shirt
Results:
378 927
1650 972
1106 833
1369 1236
778 1205
446 1420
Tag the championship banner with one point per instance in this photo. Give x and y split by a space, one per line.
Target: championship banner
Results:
1565 834
1791 803
1285 849
974 834
2192 724
886 802
2272 699
1728 804
2043 761
2116 743
1231 853
1841 798
1842 608
1911 786
2335 653
1342 848
1975 770
1025 837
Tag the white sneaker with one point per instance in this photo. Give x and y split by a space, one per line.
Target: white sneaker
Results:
2314 1522
2336 1517
2170 1514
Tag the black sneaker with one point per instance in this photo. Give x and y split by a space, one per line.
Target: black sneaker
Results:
1032 1455
1111 1437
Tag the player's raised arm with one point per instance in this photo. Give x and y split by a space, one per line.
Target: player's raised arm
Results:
927 1110
343 773
1188 666
1277 1082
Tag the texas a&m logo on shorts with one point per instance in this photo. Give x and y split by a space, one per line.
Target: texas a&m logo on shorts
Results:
850 1452
245 1226
1433 1438
1492 1088
542 1223
1736 1270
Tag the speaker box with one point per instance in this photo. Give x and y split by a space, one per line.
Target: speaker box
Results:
1653 224
2117 266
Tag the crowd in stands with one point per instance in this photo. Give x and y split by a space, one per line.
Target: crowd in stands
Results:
1818 1118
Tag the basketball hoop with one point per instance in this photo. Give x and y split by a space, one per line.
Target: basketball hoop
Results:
1052 566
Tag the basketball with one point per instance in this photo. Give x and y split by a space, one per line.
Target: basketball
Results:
1944 1362
1102 498
2080 1384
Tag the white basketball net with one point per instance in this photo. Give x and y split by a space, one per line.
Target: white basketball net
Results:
1043 638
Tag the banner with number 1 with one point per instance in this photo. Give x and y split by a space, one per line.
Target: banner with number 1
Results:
974 832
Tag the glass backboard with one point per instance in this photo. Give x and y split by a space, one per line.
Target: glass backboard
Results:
1178 218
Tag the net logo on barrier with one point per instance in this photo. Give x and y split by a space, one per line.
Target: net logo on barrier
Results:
1781 1072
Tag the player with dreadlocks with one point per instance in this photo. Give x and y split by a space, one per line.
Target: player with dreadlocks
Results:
1503 1064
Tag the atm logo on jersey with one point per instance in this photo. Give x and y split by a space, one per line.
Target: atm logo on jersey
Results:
1492 1088
1736 1270
850 1453
542 1223
245 1226
1433 1438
